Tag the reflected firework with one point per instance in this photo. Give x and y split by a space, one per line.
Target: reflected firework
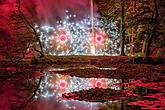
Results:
54 85
99 84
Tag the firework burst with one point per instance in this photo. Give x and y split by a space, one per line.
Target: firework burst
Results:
72 37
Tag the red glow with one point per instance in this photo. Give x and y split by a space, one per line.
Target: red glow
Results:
63 38
99 39
99 84
63 84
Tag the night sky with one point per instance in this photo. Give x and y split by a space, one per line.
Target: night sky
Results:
46 11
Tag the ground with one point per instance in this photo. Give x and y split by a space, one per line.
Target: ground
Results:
142 84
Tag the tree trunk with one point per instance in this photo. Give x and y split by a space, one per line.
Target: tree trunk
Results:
132 41
147 44
150 34
122 28
123 101
143 47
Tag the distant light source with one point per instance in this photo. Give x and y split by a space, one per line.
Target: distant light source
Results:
99 84
99 39
62 84
63 38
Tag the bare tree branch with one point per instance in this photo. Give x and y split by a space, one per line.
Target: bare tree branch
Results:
34 93
30 25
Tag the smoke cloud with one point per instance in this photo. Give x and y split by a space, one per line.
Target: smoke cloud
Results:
51 10
48 11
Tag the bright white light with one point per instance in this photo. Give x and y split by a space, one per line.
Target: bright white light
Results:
93 49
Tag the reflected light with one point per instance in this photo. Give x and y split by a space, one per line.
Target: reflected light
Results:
99 84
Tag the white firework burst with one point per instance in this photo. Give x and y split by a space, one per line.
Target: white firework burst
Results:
79 37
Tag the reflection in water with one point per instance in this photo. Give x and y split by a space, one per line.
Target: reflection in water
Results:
54 85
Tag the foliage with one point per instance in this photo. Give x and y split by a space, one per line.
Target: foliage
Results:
24 37
18 38
143 19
